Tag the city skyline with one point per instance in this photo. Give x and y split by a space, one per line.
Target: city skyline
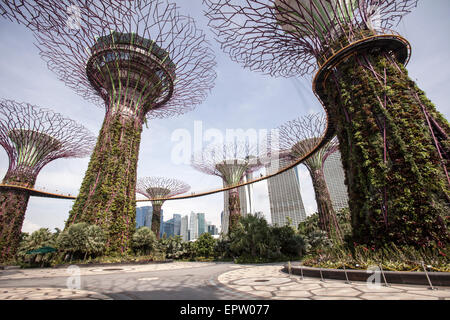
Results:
251 92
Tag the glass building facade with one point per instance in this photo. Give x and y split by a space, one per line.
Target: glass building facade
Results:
335 179
284 195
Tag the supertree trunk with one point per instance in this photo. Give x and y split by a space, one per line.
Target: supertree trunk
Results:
13 205
156 218
327 215
107 195
234 206
395 149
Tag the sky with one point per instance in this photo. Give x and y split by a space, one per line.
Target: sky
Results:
241 99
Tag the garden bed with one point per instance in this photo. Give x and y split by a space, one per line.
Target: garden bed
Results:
399 277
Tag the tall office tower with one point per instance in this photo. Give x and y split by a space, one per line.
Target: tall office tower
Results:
212 230
201 223
245 199
184 228
335 177
193 226
249 193
284 195
168 228
176 224
140 217
144 216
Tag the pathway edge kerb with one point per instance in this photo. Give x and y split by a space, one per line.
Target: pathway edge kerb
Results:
400 277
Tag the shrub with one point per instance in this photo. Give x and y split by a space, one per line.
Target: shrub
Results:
80 240
204 246
252 237
289 243
253 240
222 248
144 240
173 247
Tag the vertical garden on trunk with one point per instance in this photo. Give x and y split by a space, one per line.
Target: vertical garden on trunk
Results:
398 189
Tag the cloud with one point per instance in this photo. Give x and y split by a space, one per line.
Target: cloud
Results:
29 226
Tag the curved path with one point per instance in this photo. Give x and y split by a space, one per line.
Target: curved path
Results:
194 281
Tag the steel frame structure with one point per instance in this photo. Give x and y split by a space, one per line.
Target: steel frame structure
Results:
32 137
231 162
44 15
300 136
159 187
297 37
147 62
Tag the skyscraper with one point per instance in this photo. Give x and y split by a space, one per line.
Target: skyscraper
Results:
172 227
212 230
193 226
176 224
201 223
168 228
184 228
144 216
335 179
284 195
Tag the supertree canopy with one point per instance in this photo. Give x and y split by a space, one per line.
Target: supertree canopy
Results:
151 63
156 189
231 162
32 137
300 137
394 143
40 15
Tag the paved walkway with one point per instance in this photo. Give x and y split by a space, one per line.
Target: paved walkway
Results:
270 283
49 294
86 270
196 280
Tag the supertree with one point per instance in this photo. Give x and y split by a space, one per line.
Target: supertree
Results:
151 63
32 137
394 144
41 15
300 137
231 162
156 189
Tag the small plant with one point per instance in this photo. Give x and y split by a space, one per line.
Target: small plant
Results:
144 241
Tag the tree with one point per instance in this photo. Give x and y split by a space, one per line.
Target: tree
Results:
252 237
288 242
204 245
81 240
38 239
144 240
301 136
